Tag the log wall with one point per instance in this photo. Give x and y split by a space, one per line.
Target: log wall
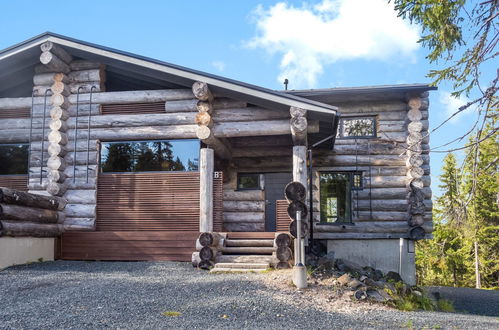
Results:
380 209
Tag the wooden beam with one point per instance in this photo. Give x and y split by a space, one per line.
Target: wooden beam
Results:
206 168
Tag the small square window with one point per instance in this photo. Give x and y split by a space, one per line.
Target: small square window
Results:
357 127
357 181
248 181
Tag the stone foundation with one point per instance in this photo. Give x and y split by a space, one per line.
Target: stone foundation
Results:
21 250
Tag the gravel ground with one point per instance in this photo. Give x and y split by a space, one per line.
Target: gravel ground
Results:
473 301
90 295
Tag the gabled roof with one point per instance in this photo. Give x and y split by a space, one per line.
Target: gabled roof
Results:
19 60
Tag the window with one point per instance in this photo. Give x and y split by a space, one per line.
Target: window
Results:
336 195
248 181
357 127
141 156
13 159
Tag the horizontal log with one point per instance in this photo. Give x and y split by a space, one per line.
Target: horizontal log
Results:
249 242
201 91
79 224
146 96
86 87
182 106
81 196
247 250
47 79
384 216
267 127
227 103
349 109
80 210
108 121
360 160
87 75
24 213
244 206
244 217
49 46
244 195
261 141
139 133
11 196
54 63
77 65
248 114
244 226
30 229
262 151
17 103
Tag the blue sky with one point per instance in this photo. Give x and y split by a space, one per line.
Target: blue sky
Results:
316 44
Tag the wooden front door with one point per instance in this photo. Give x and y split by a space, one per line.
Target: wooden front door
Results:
274 191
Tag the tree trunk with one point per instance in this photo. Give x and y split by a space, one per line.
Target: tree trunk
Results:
209 239
207 253
477 267
284 253
282 240
24 213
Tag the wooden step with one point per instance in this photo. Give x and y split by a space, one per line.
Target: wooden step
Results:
249 242
247 250
248 258
242 265
236 270
251 235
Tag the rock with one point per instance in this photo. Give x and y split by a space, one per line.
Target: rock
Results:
370 282
348 266
360 295
393 276
386 285
377 275
363 278
354 284
325 264
344 279
375 295
385 295
417 293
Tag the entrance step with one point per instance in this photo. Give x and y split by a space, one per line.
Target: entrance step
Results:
240 267
249 242
247 250
247 258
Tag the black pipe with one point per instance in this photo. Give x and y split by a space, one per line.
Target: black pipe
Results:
88 129
76 130
43 131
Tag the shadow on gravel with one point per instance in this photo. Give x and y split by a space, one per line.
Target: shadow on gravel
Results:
470 301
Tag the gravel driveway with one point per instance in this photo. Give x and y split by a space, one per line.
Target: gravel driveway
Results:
89 295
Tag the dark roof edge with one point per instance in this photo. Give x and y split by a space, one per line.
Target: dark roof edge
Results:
296 98
364 89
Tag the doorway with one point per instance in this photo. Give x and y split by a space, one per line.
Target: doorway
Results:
274 191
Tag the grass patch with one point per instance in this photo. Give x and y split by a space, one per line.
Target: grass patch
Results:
409 324
40 259
171 313
445 306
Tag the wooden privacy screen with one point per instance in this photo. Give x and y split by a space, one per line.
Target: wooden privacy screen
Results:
153 201
18 182
133 108
15 113
282 218
126 245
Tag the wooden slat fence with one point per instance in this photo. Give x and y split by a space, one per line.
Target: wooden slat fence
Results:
133 108
15 113
18 182
282 217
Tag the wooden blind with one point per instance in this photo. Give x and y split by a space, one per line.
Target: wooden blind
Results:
133 108
15 113
17 182
153 201
282 217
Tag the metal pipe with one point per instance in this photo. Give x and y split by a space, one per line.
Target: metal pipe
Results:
298 238
88 129
43 131
30 132
76 130
311 197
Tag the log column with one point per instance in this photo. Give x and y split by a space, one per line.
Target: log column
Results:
206 167
204 120
414 165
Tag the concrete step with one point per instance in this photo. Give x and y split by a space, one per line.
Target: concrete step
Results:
247 250
246 258
249 242
242 265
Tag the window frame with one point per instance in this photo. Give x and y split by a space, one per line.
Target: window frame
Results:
259 180
103 143
351 175
374 126
27 157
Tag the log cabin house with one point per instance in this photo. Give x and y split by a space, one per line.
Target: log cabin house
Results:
147 154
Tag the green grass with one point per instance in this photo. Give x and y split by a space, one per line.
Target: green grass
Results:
171 313
409 324
445 306
40 259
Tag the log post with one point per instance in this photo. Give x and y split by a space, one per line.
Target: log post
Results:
204 120
206 168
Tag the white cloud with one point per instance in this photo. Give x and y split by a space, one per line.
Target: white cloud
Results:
309 37
219 65
451 105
